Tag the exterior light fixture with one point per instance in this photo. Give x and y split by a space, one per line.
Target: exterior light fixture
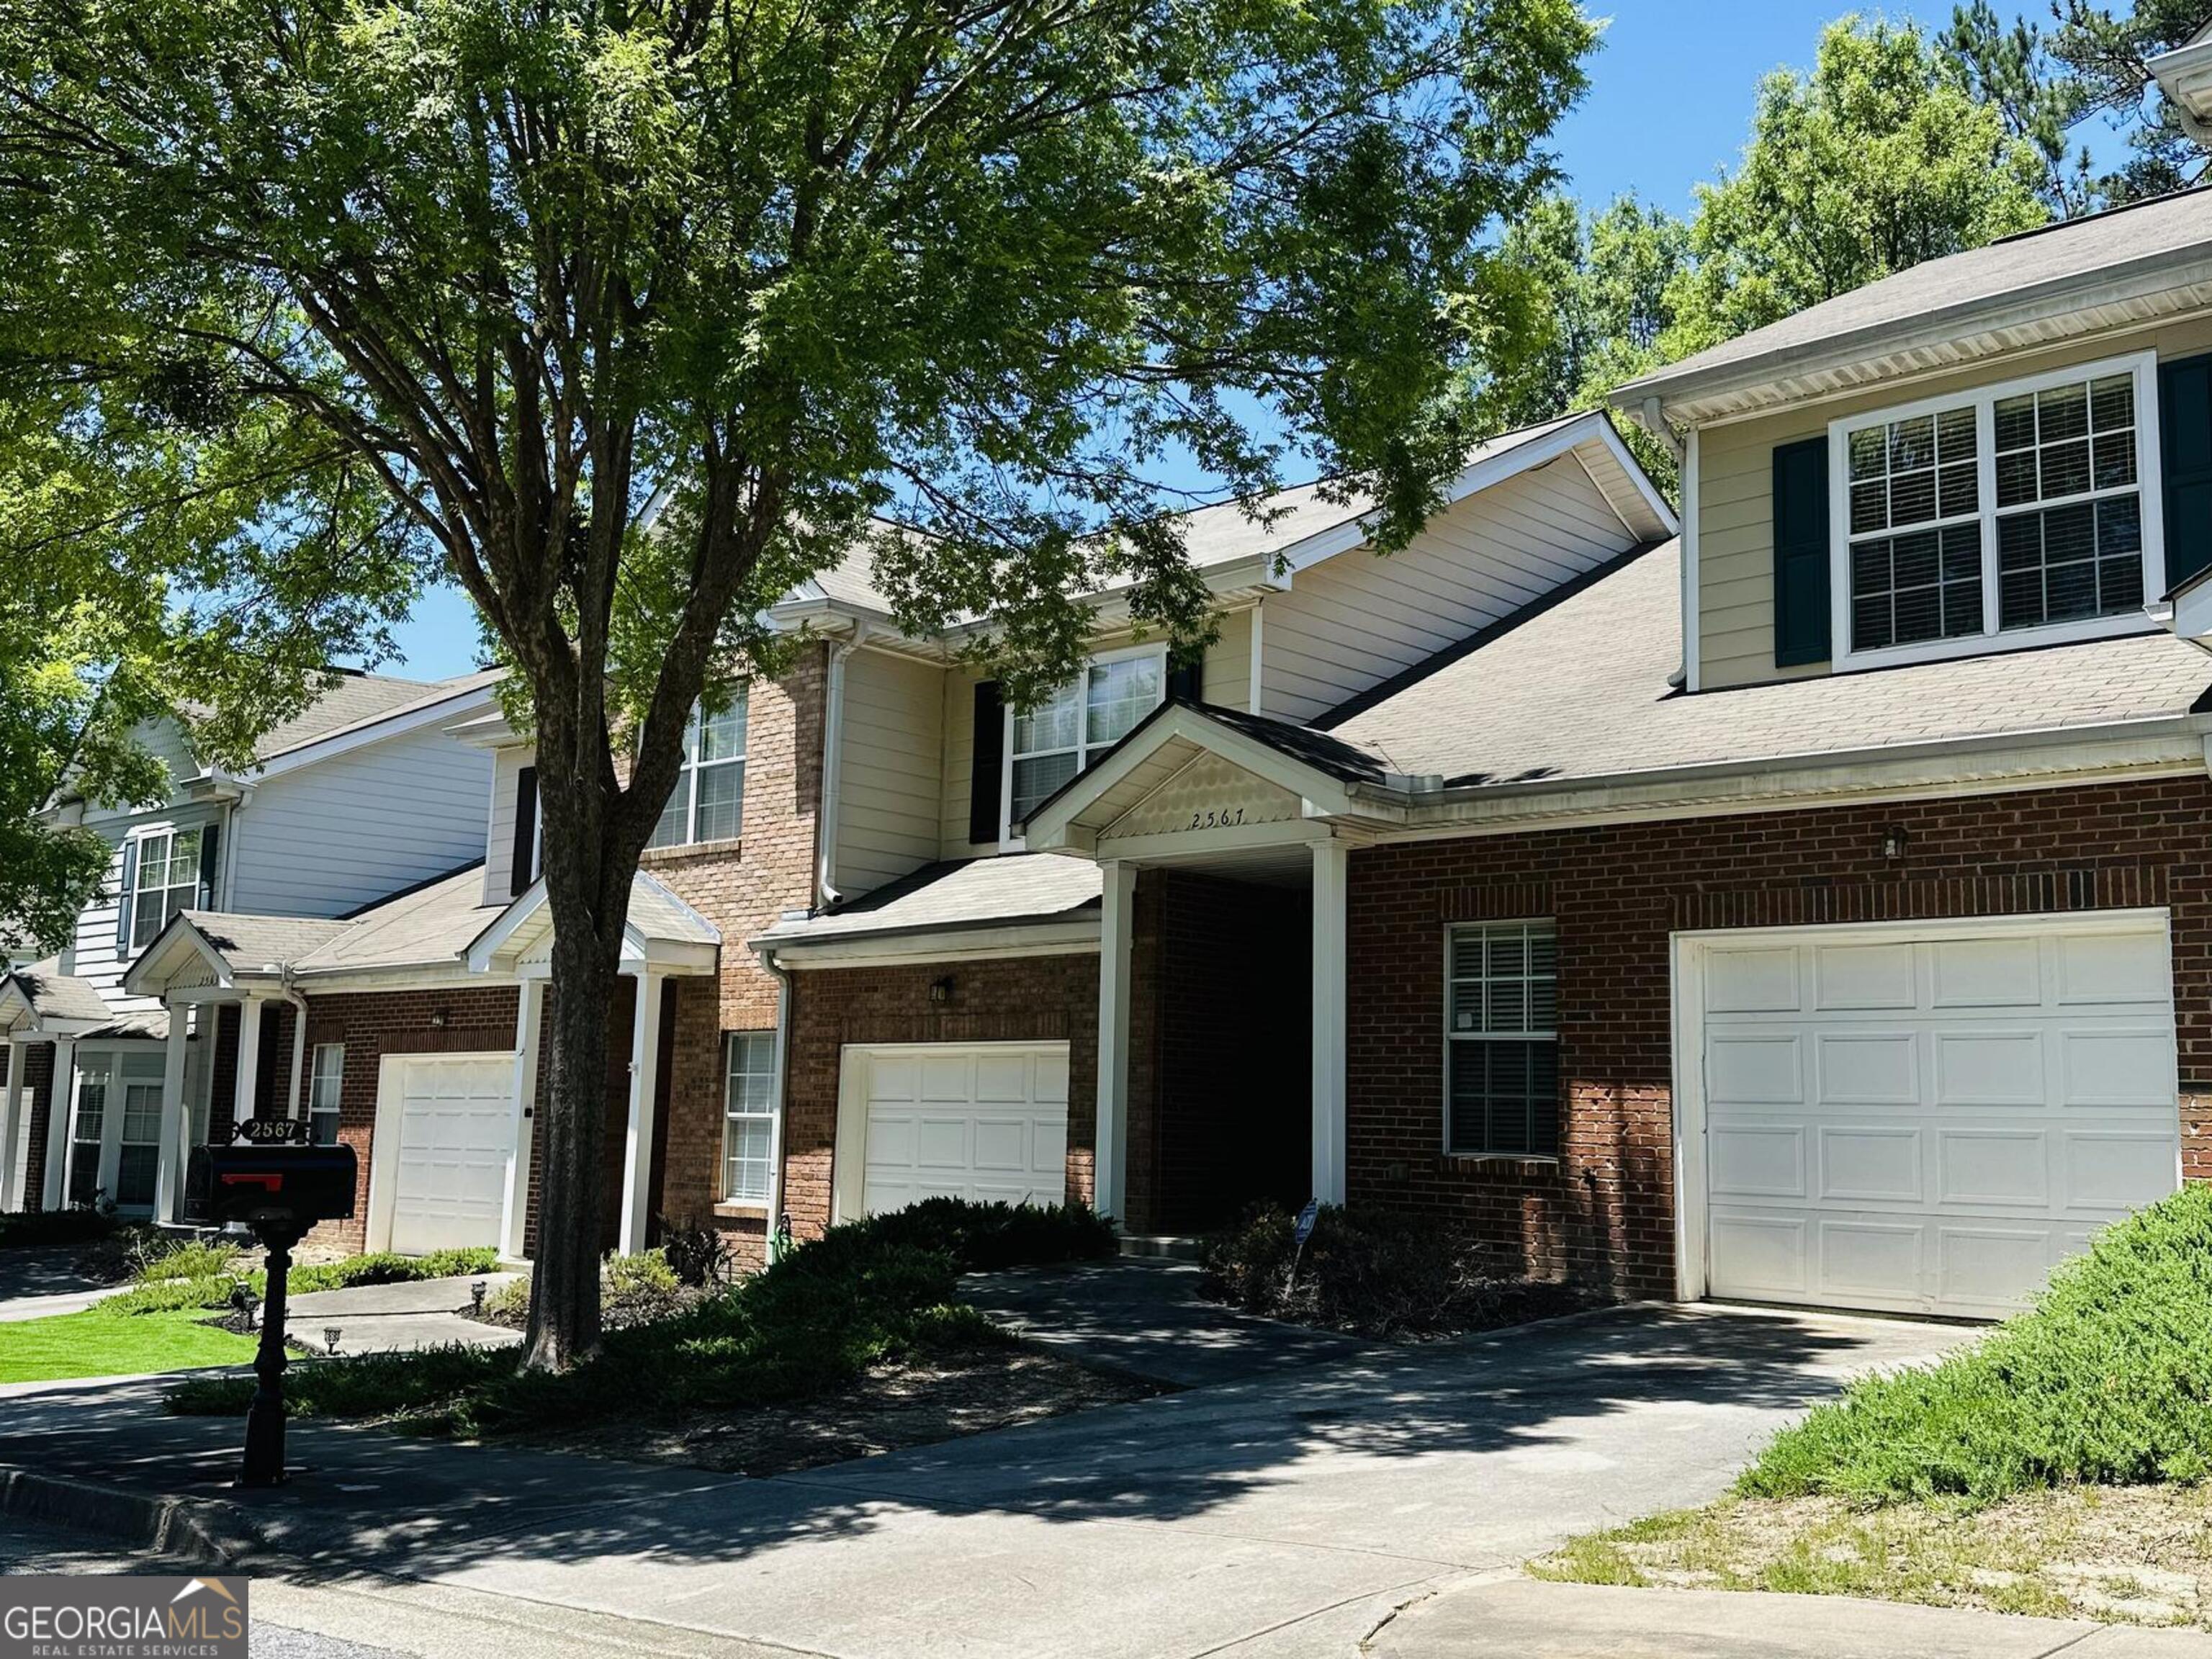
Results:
438 1017
331 1334
940 990
1895 841
476 1295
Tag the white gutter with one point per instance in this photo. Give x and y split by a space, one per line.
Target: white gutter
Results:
768 959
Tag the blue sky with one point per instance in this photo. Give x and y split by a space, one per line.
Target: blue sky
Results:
1669 104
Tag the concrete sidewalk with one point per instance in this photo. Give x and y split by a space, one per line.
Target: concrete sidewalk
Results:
1283 1513
413 1314
1522 1619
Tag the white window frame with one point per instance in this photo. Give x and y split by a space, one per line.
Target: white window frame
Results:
335 1076
1085 754
687 775
1451 931
2142 367
138 840
764 1114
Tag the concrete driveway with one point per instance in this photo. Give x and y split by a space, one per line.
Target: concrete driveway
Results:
1286 1513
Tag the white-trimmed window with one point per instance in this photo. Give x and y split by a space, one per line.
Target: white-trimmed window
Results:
749 1116
1055 741
2025 512
326 1089
1502 1049
708 802
161 877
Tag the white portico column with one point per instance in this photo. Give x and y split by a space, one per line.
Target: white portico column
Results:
514 1207
1110 1158
15 1143
61 1119
249 1057
1331 864
169 1158
637 1143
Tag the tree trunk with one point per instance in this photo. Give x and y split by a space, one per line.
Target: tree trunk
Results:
564 1287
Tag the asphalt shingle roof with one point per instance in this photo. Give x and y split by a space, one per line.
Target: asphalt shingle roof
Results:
1580 692
359 700
56 995
970 892
2015 267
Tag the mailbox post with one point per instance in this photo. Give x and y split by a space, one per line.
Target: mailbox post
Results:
274 1181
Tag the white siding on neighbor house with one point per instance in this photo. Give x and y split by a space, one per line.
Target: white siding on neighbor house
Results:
891 741
499 839
1355 619
348 831
94 955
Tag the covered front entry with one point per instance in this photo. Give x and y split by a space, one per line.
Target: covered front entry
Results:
444 1142
986 1122
1923 1117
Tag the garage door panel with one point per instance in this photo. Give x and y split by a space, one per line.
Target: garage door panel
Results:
1986 973
1868 1164
2011 1167
1867 1068
456 1134
1742 980
1759 1160
1860 977
1939 1119
982 1121
1990 1067
1756 1067
2109 967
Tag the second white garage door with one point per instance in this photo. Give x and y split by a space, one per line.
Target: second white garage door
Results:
983 1121
456 1122
1927 1118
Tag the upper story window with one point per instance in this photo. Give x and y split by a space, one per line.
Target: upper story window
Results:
2014 511
708 802
1063 734
161 875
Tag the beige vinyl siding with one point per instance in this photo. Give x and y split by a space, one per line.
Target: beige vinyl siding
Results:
890 743
1735 486
1224 679
1357 619
499 845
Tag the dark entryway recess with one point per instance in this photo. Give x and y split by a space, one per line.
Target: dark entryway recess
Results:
1230 1052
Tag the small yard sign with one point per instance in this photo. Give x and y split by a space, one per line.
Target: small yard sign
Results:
1307 1216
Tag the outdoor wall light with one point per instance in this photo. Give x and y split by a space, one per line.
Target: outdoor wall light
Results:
940 990
438 1018
1893 841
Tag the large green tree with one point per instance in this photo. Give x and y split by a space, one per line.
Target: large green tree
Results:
2090 64
509 272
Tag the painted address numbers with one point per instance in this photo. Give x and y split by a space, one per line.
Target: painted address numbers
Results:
1225 817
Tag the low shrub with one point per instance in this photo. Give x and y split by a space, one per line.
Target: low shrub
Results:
2108 1379
173 1256
813 1321
698 1256
23 1230
1375 1273
982 1236
384 1267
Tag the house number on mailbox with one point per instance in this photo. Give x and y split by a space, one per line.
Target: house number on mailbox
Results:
1223 817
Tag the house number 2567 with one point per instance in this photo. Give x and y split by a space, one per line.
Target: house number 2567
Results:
1217 817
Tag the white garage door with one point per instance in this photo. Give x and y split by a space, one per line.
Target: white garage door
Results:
456 1134
1928 1120
986 1122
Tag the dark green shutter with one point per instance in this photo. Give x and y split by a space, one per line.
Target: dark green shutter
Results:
1187 683
2185 444
523 859
210 867
990 764
125 890
1801 553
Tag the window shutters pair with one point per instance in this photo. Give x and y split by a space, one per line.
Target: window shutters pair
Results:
127 888
1801 511
985 781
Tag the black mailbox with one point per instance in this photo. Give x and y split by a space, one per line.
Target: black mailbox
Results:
291 1186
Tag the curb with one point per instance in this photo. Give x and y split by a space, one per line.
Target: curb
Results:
180 1528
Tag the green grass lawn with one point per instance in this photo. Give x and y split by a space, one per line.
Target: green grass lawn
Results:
96 1344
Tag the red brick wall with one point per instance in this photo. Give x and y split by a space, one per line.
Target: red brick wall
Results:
1605 1212
743 887
1021 1000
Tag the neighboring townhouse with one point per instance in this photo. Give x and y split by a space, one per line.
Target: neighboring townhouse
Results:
361 795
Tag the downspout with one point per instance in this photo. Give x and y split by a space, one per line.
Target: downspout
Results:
285 990
826 895
778 1223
